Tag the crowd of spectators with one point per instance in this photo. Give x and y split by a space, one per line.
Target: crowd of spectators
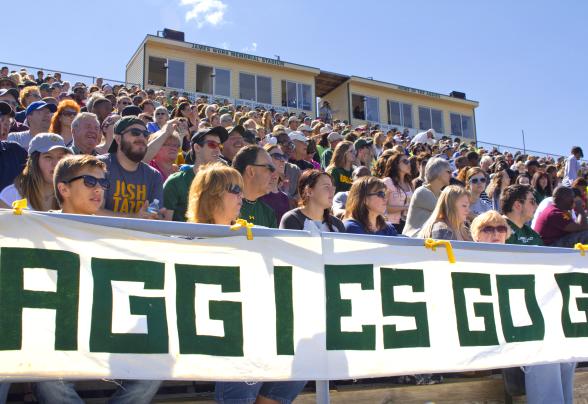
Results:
144 153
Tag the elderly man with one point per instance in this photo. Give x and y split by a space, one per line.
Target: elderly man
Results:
38 115
300 151
86 135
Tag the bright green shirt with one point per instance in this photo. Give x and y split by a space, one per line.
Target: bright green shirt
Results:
175 193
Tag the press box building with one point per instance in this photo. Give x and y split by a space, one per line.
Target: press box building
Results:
169 62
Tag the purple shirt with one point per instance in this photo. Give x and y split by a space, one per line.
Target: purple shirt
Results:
279 202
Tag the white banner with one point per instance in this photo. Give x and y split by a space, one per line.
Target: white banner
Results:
87 301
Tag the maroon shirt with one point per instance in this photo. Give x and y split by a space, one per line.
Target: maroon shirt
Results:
551 223
279 202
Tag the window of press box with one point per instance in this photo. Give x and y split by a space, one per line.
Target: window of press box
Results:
431 118
365 108
296 95
166 73
400 114
461 125
213 80
255 88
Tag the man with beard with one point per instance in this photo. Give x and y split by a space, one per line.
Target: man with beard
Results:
133 184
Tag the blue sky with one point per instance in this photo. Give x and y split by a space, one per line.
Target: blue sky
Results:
524 61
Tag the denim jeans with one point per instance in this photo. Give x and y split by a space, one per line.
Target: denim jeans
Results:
4 387
63 392
246 393
550 384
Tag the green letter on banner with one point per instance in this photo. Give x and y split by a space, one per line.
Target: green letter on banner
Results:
284 310
533 332
13 298
187 276
564 281
102 339
410 338
466 280
335 275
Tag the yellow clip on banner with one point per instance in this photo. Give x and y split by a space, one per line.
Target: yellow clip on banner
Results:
582 247
433 244
240 223
18 206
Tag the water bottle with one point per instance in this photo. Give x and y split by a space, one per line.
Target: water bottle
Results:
153 207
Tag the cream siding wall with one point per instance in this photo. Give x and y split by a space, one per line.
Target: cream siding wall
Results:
134 71
192 57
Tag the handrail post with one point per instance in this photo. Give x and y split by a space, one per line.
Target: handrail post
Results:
322 392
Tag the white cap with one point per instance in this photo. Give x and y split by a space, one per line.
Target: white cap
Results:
304 127
325 129
334 136
296 135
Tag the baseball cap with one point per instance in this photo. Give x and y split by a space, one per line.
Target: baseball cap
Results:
45 142
297 135
334 136
304 127
5 109
219 131
11 91
293 118
361 142
125 122
37 105
45 86
130 110
237 128
250 137
325 129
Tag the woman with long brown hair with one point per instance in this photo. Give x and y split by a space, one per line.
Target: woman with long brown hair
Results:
365 208
316 192
398 181
341 166
35 183
62 119
541 186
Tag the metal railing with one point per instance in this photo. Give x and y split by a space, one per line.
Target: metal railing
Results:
65 76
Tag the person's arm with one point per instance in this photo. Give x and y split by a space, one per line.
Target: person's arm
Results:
290 221
108 132
581 222
154 146
353 227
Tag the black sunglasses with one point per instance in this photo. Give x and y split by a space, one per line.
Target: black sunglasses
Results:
137 132
279 156
379 194
90 181
268 166
234 189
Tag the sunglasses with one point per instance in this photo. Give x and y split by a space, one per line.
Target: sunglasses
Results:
234 189
137 132
211 144
90 181
69 113
160 113
270 167
125 103
279 156
481 180
494 229
379 194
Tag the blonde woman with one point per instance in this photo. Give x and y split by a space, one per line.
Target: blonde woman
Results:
490 227
447 222
216 195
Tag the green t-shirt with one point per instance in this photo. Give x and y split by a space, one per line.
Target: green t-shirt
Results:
326 158
258 213
175 193
341 179
523 236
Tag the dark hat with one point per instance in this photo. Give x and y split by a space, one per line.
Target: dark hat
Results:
131 110
217 130
237 128
362 142
11 91
37 105
45 87
125 122
5 109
